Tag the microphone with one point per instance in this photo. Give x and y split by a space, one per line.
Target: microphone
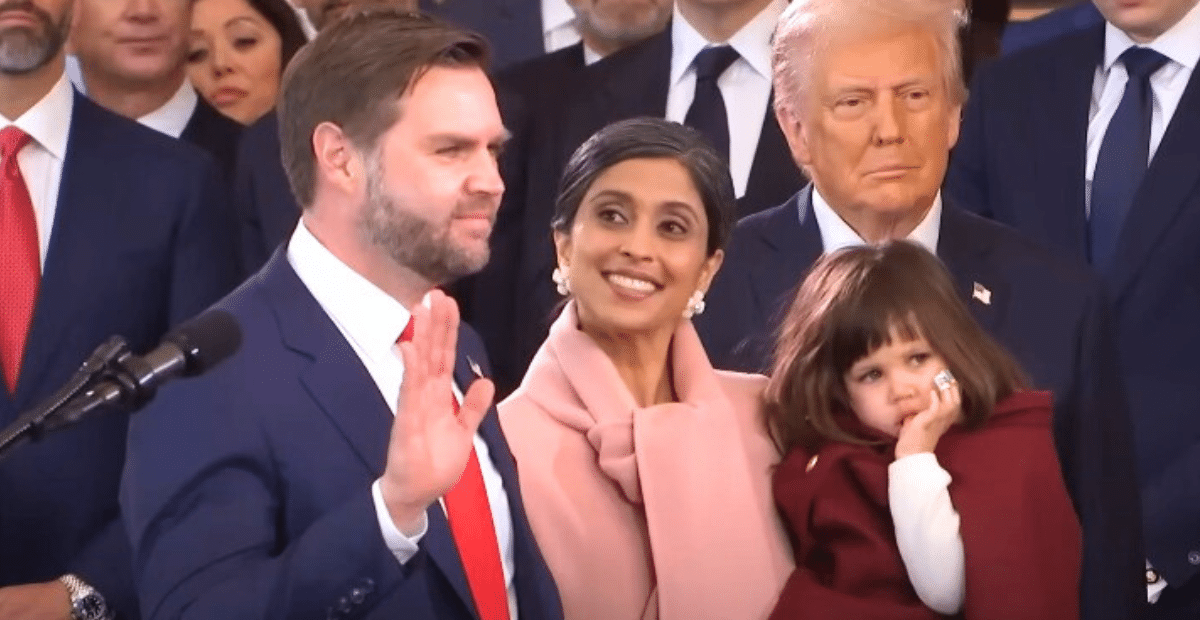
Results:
189 350
114 378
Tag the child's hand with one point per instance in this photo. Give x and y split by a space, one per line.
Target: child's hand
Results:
921 432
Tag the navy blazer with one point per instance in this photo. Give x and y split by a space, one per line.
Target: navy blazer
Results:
513 27
1050 315
1021 160
627 84
141 241
266 208
214 132
247 491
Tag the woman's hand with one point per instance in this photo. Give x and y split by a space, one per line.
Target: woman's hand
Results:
921 432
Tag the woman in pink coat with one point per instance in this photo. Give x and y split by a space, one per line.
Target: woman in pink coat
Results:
645 473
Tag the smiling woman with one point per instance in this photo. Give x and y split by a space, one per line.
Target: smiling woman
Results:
635 455
238 51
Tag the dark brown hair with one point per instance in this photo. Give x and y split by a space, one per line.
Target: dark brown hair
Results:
853 302
283 19
353 74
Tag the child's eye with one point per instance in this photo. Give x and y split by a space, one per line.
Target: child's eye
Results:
919 358
870 375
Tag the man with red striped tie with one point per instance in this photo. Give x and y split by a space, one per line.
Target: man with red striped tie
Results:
347 462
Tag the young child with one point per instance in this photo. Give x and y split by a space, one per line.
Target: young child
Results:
919 478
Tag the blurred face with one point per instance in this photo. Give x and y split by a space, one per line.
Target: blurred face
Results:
134 41
31 33
323 12
877 125
622 21
893 383
235 58
433 187
637 249
1144 20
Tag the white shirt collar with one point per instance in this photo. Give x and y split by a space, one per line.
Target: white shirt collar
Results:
44 122
837 234
752 42
590 55
1181 43
172 118
556 14
370 317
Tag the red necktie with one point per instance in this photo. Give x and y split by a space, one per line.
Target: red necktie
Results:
470 516
20 259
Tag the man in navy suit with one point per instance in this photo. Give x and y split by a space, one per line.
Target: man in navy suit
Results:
323 471
132 59
871 114
121 231
1088 145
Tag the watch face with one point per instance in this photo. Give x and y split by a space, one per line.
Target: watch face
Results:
91 607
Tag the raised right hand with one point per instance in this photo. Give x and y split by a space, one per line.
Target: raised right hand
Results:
430 444
921 432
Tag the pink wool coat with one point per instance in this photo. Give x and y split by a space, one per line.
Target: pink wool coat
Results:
662 512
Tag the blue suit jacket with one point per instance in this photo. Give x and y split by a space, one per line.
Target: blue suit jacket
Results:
513 27
1021 35
1021 160
262 198
141 241
247 491
1046 311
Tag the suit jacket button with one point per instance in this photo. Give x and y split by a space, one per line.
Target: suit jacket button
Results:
368 585
358 595
344 606
1194 558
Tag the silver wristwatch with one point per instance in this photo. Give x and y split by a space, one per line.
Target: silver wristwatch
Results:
86 602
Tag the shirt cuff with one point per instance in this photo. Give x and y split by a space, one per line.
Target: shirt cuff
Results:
1155 584
402 546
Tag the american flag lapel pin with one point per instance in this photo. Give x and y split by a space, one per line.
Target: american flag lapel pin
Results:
981 293
475 367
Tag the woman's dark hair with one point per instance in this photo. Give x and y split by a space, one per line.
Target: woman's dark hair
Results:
856 300
650 138
283 18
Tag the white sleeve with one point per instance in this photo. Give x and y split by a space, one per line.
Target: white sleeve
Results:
927 531
402 546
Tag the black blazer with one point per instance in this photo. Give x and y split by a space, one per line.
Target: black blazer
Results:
630 83
248 491
214 132
1047 311
266 209
1021 160
142 240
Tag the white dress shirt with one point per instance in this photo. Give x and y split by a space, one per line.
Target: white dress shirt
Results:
926 523
558 25
48 122
1181 44
745 85
371 321
837 234
172 117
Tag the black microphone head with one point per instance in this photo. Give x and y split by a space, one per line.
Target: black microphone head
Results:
206 340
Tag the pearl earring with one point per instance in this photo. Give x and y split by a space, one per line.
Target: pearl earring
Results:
560 281
695 305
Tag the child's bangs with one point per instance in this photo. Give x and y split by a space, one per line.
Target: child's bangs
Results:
875 318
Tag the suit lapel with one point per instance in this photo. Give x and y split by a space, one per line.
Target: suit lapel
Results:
964 247
1062 162
1169 183
794 245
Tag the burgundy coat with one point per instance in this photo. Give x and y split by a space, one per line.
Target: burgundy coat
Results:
1021 538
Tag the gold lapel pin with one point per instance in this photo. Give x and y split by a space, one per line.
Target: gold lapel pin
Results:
981 293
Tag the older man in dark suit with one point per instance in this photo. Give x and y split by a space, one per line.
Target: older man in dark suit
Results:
106 227
1088 145
871 114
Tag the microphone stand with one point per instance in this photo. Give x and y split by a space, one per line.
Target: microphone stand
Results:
105 364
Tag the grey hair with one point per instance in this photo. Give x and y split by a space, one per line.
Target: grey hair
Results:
801 29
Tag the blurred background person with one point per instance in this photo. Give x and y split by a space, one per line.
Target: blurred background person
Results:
132 57
645 473
238 51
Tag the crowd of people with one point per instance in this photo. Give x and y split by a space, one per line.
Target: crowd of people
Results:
606 309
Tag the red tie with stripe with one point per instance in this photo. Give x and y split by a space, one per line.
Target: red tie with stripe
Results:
20 258
470 517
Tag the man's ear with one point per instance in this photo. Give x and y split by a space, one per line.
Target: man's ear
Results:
338 161
796 134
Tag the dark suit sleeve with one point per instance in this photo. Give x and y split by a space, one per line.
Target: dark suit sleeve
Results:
205 265
966 178
1094 434
732 327
250 229
1171 503
202 502
94 565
